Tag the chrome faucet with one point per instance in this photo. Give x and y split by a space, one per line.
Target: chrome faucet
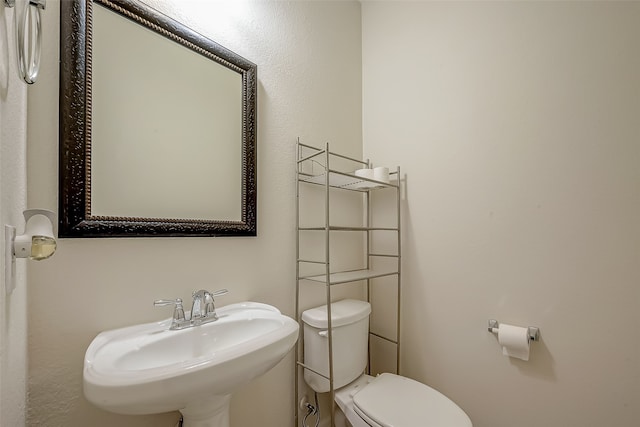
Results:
179 321
203 309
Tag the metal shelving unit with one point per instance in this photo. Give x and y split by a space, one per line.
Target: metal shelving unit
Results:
316 167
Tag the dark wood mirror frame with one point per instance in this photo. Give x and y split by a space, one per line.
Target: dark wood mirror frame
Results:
75 219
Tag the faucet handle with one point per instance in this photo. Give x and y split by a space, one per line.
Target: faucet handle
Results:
220 292
202 292
209 306
178 312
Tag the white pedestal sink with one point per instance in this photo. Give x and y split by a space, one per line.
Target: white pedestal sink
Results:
148 369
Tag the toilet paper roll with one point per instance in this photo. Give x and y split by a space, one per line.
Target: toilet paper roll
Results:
514 341
365 173
381 174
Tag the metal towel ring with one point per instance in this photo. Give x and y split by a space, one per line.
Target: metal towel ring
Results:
29 49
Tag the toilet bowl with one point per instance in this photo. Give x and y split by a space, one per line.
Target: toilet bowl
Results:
390 400
387 400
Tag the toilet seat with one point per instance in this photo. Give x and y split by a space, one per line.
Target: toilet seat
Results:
393 401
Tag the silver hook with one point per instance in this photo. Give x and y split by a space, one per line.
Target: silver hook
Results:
29 54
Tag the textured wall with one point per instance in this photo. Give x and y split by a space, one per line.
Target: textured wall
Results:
516 124
516 127
308 57
13 194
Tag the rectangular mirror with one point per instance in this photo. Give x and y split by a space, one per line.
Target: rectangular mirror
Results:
157 127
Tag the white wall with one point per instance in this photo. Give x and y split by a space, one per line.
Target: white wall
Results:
517 125
308 57
13 195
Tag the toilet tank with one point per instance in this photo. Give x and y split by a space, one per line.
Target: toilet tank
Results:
350 325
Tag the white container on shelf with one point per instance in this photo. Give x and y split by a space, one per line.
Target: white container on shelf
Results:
365 173
381 174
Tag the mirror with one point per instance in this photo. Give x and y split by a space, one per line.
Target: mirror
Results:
157 127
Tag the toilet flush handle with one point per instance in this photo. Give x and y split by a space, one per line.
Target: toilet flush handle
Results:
324 333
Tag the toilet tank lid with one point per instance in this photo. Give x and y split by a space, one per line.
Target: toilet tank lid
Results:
344 312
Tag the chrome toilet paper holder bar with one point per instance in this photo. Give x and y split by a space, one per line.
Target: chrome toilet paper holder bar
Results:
533 332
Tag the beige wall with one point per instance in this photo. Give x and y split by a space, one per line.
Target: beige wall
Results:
517 125
13 195
308 57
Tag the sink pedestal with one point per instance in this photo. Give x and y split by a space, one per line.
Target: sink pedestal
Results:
212 411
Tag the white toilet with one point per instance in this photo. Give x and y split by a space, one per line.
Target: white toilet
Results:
387 400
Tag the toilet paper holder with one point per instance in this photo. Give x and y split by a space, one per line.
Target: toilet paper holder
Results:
533 332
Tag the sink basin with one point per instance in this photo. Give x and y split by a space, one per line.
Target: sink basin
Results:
147 369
